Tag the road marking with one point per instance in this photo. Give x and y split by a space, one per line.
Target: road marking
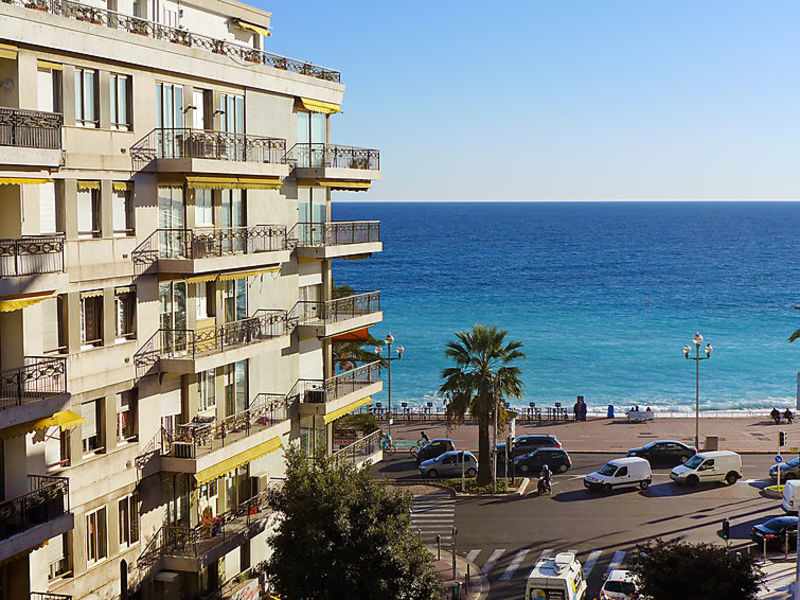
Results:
588 565
547 553
615 563
512 568
472 555
495 556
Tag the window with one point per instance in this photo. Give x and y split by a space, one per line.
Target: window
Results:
125 301
127 404
88 209
204 209
622 472
204 298
129 520
122 208
48 88
92 318
120 93
86 98
206 400
58 556
91 432
53 336
96 536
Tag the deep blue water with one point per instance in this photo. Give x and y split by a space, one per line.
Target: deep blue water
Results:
603 295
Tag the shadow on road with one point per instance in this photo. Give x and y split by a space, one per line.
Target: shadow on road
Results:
671 489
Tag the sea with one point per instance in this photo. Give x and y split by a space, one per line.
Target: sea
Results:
603 295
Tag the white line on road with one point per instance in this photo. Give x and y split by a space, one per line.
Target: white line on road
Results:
472 555
589 563
619 556
546 553
495 556
512 568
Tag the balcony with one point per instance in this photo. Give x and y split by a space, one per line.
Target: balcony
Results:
34 391
32 264
333 317
368 448
337 167
336 239
207 250
183 150
194 350
339 395
28 521
30 138
199 447
181 37
49 596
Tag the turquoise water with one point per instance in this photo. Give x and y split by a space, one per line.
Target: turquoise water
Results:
603 295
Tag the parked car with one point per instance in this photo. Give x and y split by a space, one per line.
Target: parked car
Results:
556 458
774 530
620 585
664 452
449 465
433 449
525 444
789 470
791 497
620 472
720 465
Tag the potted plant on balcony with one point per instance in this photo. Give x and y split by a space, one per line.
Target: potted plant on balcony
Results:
88 15
37 5
280 63
218 47
137 26
180 36
253 56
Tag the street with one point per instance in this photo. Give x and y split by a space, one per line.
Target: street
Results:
505 536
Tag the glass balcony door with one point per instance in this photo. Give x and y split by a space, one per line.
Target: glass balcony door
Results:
172 242
172 303
169 119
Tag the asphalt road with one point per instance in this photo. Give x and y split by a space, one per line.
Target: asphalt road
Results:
505 536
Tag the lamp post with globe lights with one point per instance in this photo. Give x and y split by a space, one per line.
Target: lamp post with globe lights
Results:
389 340
687 349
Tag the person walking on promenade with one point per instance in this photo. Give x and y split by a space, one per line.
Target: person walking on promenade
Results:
788 416
576 410
584 409
776 416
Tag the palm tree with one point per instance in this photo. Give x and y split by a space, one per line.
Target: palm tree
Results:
796 334
482 377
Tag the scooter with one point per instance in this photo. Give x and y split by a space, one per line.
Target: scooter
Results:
543 486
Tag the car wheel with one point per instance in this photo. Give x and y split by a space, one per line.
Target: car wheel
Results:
471 472
432 473
643 485
692 480
606 487
731 478
562 468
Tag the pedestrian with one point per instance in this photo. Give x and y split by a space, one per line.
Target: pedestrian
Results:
576 410
584 409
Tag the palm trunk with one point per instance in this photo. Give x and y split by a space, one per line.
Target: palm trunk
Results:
484 457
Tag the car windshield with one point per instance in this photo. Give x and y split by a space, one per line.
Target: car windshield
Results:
694 462
779 523
793 463
608 469
624 587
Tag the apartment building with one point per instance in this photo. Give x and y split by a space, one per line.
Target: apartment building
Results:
166 301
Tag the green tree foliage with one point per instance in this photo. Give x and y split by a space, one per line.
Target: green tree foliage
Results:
344 535
670 570
482 377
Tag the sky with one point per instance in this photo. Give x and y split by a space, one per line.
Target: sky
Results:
577 100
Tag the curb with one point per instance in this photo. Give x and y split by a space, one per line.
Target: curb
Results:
479 584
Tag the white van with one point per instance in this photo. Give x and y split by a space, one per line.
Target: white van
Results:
556 578
791 496
620 472
720 465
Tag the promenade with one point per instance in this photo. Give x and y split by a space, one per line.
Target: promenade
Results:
746 434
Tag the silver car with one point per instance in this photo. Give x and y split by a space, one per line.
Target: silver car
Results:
449 465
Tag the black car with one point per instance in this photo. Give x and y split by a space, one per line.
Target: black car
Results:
556 458
664 452
525 444
434 448
774 530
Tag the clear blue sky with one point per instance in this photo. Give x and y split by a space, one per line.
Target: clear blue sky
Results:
536 100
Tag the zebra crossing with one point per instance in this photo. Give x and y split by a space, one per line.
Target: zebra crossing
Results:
432 515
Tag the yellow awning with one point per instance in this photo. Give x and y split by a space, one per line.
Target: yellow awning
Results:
263 183
254 28
219 469
210 182
346 410
24 180
10 304
243 274
345 185
88 185
46 64
318 106
66 419
92 294
202 278
121 186
8 51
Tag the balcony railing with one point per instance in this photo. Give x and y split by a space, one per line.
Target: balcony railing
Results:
47 500
336 233
216 145
49 596
42 377
334 156
320 391
192 440
32 255
179 36
359 450
30 128
341 309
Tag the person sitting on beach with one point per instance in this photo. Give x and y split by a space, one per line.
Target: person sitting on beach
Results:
788 416
776 416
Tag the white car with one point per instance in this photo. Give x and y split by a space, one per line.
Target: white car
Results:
620 585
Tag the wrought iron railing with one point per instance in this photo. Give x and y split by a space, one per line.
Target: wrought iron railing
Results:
49 596
30 128
201 143
334 155
335 233
359 450
192 440
41 377
320 391
179 36
32 255
47 499
333 311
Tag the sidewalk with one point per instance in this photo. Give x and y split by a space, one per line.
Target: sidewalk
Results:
478 586
779 584
747 434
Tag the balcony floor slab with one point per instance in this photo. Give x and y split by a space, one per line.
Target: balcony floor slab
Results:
337 173
36 536
321 409
324 330
212 360
30 157
33 284
230 262
221 167
33 410
338 251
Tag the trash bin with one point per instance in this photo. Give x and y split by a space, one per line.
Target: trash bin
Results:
610 413
712 442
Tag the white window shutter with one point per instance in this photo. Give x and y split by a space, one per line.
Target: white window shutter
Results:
47 208
89 413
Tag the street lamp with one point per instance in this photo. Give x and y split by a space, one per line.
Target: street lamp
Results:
697 339
389 340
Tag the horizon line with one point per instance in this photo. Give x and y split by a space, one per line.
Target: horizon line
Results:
552 201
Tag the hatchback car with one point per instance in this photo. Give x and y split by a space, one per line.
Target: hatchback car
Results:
664 452
620 585
774 530
789 470
556 458
525 444
433 449
449 465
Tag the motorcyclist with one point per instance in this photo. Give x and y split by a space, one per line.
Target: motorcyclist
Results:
776 416
544 479
789 416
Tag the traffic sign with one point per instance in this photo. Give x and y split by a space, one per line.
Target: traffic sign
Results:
778 459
